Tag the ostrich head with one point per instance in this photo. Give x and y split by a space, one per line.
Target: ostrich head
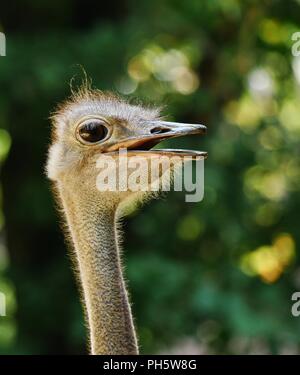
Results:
93 124
90 127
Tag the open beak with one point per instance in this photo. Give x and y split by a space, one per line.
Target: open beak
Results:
154 132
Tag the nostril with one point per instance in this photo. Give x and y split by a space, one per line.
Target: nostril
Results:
159 130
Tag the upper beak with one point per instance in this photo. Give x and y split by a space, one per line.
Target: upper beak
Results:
154 132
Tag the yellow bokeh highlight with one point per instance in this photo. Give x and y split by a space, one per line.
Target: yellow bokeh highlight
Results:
290 117
138 70
190 227
246 114
271 138
269 184
185 81
273 32
272 178
292 173
5 143
269 262
171 66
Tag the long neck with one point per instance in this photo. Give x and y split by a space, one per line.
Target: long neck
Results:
108 312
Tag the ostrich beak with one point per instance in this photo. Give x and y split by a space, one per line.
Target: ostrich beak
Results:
153 132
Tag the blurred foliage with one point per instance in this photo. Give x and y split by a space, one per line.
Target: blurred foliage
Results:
221 271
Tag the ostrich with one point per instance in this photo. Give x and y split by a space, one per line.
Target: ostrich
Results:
89 124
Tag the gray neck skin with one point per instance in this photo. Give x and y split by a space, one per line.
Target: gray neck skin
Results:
93 233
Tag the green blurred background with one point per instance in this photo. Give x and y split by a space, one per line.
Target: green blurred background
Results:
211 277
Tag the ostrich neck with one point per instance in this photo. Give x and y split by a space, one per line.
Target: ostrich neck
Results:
108 313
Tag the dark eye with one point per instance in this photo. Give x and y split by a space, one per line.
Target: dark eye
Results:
92 131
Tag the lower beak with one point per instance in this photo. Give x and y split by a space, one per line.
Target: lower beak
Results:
153 132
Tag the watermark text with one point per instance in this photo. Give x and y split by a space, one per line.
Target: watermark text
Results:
2 304
156 173
2 44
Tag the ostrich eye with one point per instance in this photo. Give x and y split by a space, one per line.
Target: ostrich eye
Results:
92 131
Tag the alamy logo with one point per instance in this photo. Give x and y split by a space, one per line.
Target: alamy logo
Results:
2 304
2 44
296 305
296 45
158 173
